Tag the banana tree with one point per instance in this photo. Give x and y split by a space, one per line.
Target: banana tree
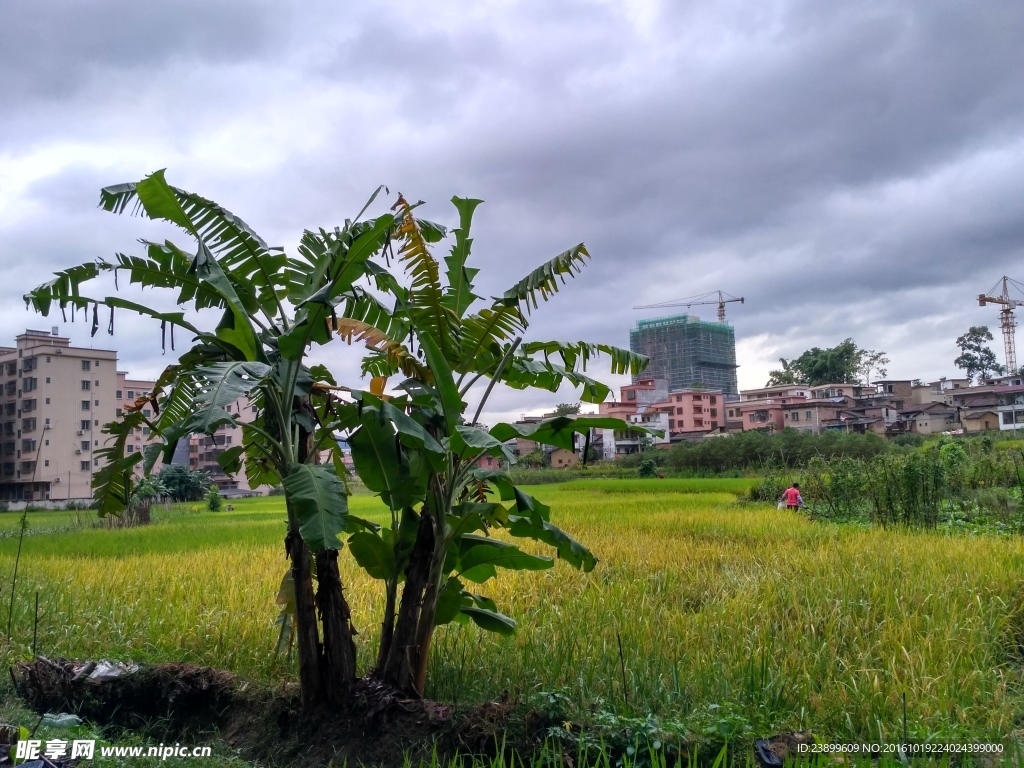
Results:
271 307
419 446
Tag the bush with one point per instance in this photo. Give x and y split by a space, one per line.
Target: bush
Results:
213 500
647 468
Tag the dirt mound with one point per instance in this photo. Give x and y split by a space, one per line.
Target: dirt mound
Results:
381 728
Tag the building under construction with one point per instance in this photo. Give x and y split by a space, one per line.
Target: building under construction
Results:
687 351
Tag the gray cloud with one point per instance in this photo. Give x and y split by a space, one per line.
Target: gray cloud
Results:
851 169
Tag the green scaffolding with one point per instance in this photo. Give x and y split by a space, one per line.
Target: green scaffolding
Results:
687 351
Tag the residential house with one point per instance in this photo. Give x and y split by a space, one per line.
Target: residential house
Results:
930 418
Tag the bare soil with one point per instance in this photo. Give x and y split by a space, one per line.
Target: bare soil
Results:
180 701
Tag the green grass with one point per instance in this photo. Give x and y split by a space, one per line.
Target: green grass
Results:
731 616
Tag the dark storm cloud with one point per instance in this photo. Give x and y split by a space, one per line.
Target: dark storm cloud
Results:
50 48
851 169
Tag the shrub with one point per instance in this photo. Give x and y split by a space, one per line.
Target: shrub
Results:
213 500
647 468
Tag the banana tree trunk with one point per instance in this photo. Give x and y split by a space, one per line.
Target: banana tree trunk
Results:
425 629
307 636
387 629
402 665
338 663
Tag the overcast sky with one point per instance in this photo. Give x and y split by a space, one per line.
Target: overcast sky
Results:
851 169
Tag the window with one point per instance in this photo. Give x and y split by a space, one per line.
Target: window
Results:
29 384
46 462
47 401
28 445
86 385
808 414
795 416
119 412
96 422
85 445
86 365
145 430
131 394
97 402
28 405
85 405
28 425
46 442
84 425
47 424
47 358
84 466
130 449
145 411
47 379
97 382
119 393
254 409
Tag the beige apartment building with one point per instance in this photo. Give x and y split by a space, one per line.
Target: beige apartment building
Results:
54 402
55 398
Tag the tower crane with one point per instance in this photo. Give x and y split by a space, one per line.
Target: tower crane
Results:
1007 321
704 298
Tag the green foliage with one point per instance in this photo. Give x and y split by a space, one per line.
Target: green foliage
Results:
213 499
944 483
647 468
976 359
789 448
184 484
533 459
845 363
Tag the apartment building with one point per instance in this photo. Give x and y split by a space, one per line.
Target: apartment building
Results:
54 400
127 393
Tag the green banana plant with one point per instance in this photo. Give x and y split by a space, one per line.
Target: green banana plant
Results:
419 447
271 309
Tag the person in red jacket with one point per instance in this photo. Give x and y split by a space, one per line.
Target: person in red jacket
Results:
791 497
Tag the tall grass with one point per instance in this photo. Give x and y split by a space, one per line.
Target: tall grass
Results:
730 616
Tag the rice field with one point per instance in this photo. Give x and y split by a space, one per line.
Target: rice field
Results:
730 615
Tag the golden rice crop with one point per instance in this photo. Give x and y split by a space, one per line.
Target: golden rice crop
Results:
790 623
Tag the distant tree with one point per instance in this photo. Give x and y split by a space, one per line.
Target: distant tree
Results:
845 363
917 383
567 409
976 359
184 484
534 459
781 377
872 361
